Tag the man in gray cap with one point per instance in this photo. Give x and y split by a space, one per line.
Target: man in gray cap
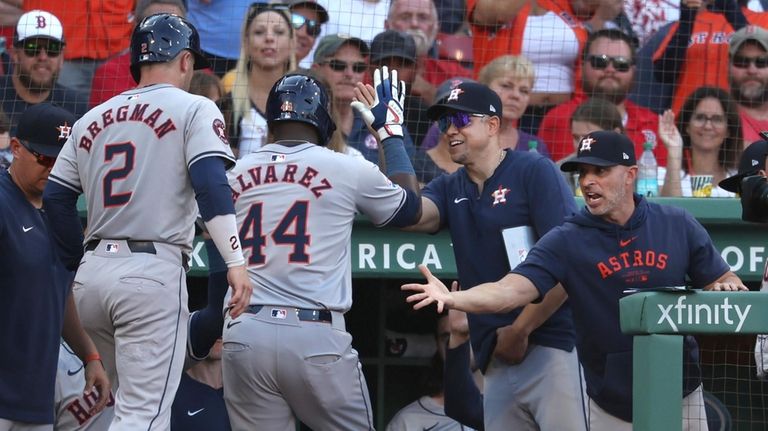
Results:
342 60
748 77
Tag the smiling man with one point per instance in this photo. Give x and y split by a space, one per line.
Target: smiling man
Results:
496 189
618 241
38 44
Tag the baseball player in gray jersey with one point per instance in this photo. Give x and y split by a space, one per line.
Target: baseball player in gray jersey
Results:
140 158
289 353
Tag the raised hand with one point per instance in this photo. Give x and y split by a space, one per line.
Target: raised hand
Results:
434 291
381 106
669 133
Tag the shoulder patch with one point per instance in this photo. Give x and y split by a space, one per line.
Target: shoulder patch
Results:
220 130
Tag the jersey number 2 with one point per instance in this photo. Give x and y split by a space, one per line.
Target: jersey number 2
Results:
128 150
252 236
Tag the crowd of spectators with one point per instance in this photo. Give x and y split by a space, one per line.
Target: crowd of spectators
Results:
544 57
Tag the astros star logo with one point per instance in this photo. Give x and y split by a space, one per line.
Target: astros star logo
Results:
586 144
64 131
500 195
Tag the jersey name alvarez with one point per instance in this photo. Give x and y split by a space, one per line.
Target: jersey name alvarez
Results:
155 120
288 173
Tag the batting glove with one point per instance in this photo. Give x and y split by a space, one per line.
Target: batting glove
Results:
385 115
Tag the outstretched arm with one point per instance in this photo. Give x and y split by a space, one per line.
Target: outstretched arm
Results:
512 291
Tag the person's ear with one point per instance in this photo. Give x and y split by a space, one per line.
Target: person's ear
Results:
15 147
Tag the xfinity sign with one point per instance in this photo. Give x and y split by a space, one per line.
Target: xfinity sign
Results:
681 313
694 312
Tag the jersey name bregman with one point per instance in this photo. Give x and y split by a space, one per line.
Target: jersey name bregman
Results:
257 176
121 115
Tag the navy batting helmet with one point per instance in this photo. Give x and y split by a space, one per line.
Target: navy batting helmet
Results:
297 97
160 38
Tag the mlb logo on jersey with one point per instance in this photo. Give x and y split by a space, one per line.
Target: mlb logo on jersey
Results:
279 313
112 247
278 157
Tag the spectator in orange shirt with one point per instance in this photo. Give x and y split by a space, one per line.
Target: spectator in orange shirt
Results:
114 76
695 51
608 73
419 19
748 77
532 28
96 31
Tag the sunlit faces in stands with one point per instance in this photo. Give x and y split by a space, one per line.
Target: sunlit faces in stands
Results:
748 74
307 24
269 40
511 77
37 62
343 70
417 18
609 69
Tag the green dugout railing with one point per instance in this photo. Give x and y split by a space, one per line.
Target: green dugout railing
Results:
394 254
658 321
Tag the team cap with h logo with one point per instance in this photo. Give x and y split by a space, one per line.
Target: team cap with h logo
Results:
603 148
45 127
470 97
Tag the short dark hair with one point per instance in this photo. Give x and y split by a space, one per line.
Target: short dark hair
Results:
610 34
599 112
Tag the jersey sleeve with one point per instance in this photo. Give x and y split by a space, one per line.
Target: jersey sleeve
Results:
705 263
377 197
543 264
65 172
205 134
549 211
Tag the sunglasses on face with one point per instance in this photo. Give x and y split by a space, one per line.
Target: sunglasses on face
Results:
743 62
340 66
42 160
600 62
458 119
32 49
312 26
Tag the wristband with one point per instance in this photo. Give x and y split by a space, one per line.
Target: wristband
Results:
92 357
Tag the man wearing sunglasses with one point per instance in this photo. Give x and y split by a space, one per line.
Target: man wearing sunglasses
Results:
494 190
608 73
38 306
342 61
36 58
307 17
748 79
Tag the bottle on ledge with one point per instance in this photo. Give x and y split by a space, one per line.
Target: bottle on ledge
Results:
533 146
647 173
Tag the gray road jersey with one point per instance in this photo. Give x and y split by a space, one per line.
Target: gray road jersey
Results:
295 209
131 155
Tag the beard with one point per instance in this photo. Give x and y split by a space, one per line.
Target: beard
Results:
752 96
423 41
35 86
614 94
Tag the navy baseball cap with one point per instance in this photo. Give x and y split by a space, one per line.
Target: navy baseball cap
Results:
471 97
603 148
393 43
751 162
44 128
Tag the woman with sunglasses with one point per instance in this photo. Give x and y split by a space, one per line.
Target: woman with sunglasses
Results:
267 52
706 141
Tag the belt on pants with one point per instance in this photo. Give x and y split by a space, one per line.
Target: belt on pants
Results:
306 315
134 246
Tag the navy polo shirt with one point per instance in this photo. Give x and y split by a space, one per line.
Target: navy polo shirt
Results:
33 288
525 190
